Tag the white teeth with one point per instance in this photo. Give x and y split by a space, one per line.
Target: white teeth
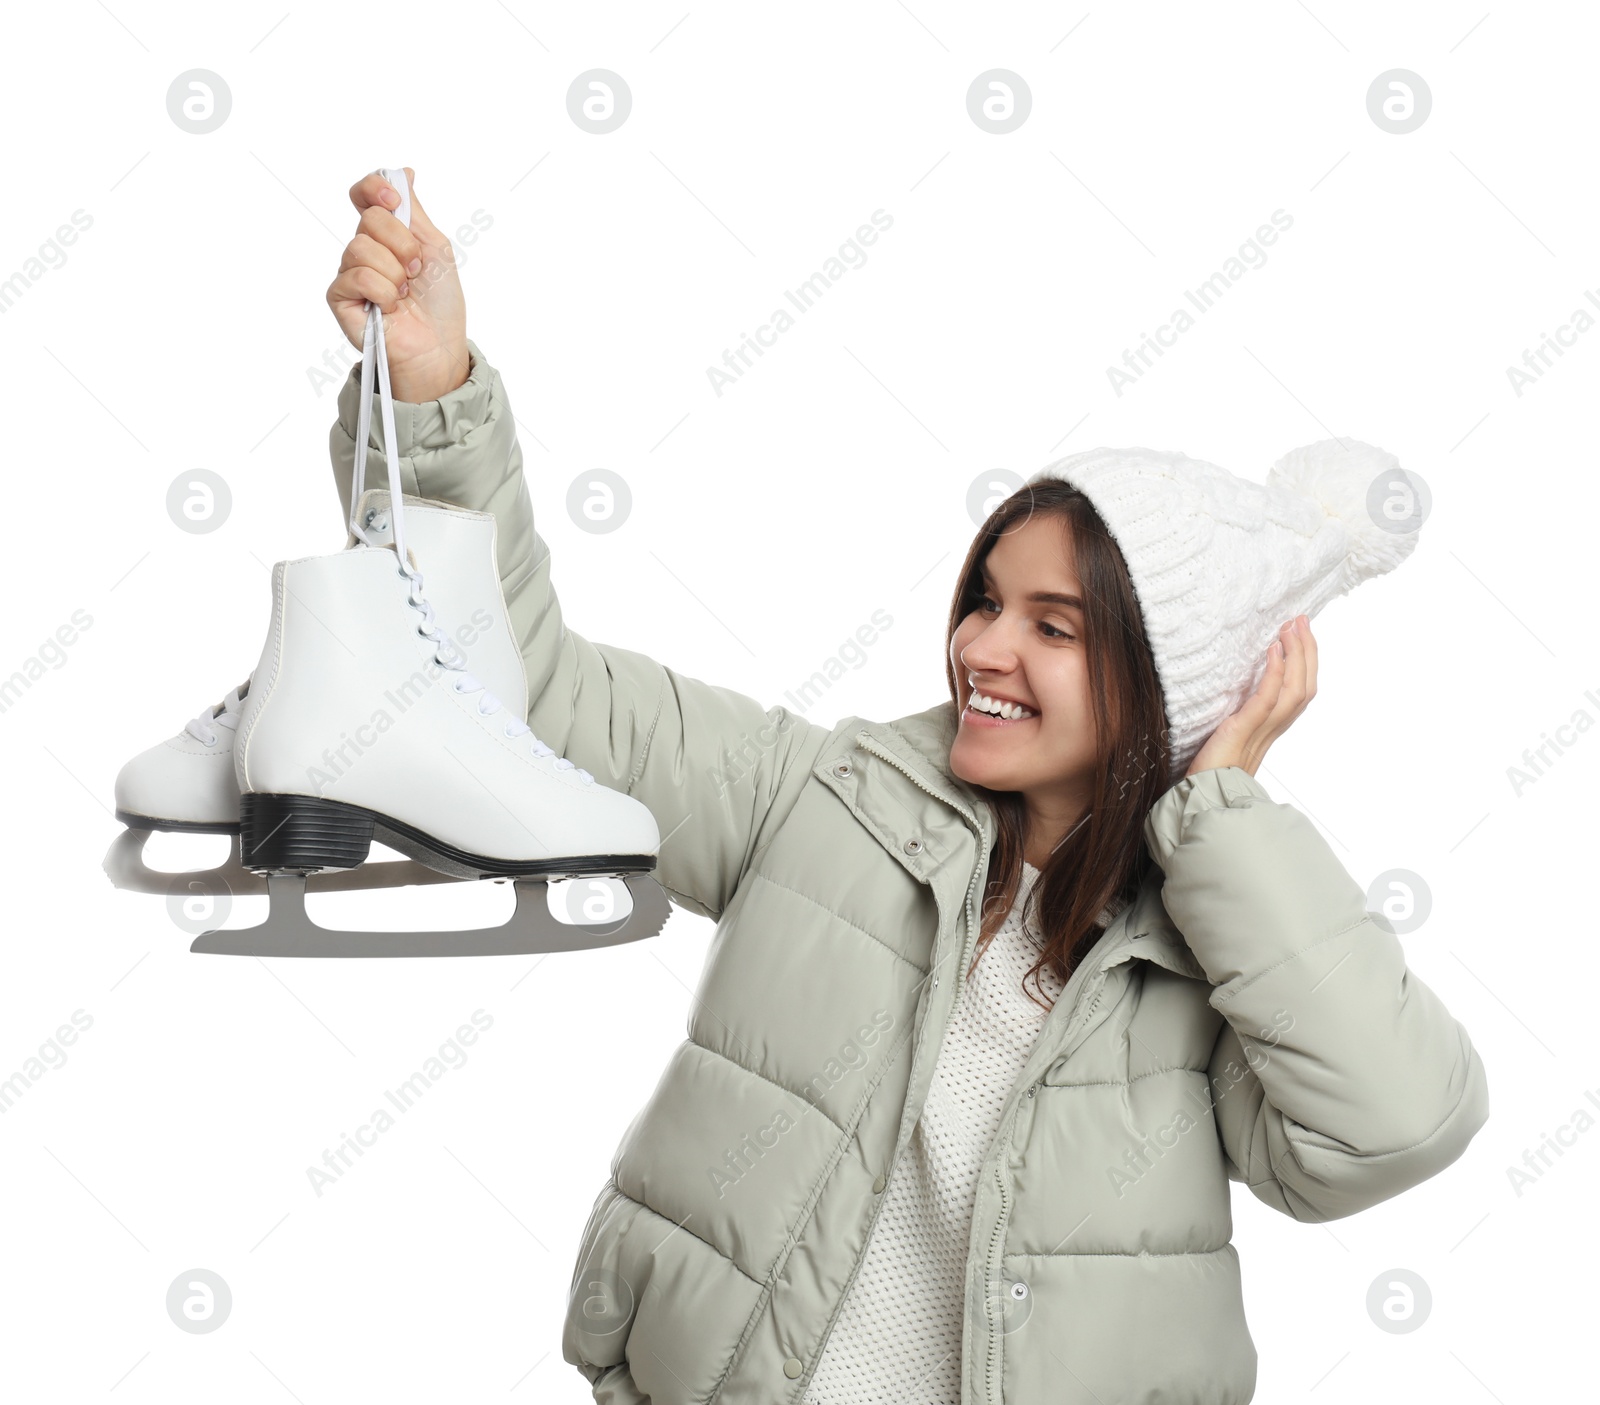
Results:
1002 709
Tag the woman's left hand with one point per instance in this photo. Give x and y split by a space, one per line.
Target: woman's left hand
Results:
1289 683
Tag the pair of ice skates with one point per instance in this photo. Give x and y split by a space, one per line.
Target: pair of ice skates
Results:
362 722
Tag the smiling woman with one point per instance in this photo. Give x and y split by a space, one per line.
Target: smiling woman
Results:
1045 616
985 1198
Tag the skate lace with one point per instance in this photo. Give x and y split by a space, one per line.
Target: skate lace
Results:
222 714
446 653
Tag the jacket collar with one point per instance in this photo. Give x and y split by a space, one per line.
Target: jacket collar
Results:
921 743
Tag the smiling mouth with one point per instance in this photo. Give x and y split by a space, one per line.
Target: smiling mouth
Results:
976 717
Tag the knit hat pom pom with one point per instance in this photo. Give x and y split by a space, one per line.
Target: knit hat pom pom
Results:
1357 484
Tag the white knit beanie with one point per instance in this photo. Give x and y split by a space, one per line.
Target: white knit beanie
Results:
1220 563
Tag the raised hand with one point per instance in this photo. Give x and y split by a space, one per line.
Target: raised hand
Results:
411 275
1289 683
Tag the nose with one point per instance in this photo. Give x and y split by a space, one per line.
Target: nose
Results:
988 652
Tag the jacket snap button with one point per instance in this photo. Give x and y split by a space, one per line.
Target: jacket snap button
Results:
912 846
792 1367
878 1184
935 981
1019 1291
842 769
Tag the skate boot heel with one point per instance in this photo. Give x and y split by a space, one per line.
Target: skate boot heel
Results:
301 833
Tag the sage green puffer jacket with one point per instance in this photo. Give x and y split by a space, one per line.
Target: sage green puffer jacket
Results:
1244 1019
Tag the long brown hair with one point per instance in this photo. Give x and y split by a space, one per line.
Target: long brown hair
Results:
1102 860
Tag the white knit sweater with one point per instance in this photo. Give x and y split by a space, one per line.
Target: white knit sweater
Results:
898 1337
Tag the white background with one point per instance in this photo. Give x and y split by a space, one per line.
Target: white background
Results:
768 524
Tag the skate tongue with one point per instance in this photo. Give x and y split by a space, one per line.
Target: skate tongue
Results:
374 515
371 503
374 504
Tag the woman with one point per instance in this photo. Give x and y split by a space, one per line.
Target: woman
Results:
879 1168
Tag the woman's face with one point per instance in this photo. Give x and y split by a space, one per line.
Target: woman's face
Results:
1024 643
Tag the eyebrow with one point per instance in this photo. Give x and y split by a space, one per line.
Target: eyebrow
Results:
1045 597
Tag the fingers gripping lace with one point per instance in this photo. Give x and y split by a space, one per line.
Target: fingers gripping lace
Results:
375 352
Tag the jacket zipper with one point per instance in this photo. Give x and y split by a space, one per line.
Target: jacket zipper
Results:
990 1267
883 1199
866 743
990 1303
998 1232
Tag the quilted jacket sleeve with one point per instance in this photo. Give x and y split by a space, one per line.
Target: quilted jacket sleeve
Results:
716 769
1339 1079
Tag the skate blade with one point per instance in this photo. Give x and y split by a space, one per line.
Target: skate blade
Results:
124 865
289 930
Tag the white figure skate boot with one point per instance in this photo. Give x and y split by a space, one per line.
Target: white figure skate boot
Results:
362 723
187 783
183 785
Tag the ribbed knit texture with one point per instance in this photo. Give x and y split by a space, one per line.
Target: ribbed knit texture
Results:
898 1337
1218 562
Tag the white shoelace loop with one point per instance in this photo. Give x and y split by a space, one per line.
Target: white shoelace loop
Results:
224 714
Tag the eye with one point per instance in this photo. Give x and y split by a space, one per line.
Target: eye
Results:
984 602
